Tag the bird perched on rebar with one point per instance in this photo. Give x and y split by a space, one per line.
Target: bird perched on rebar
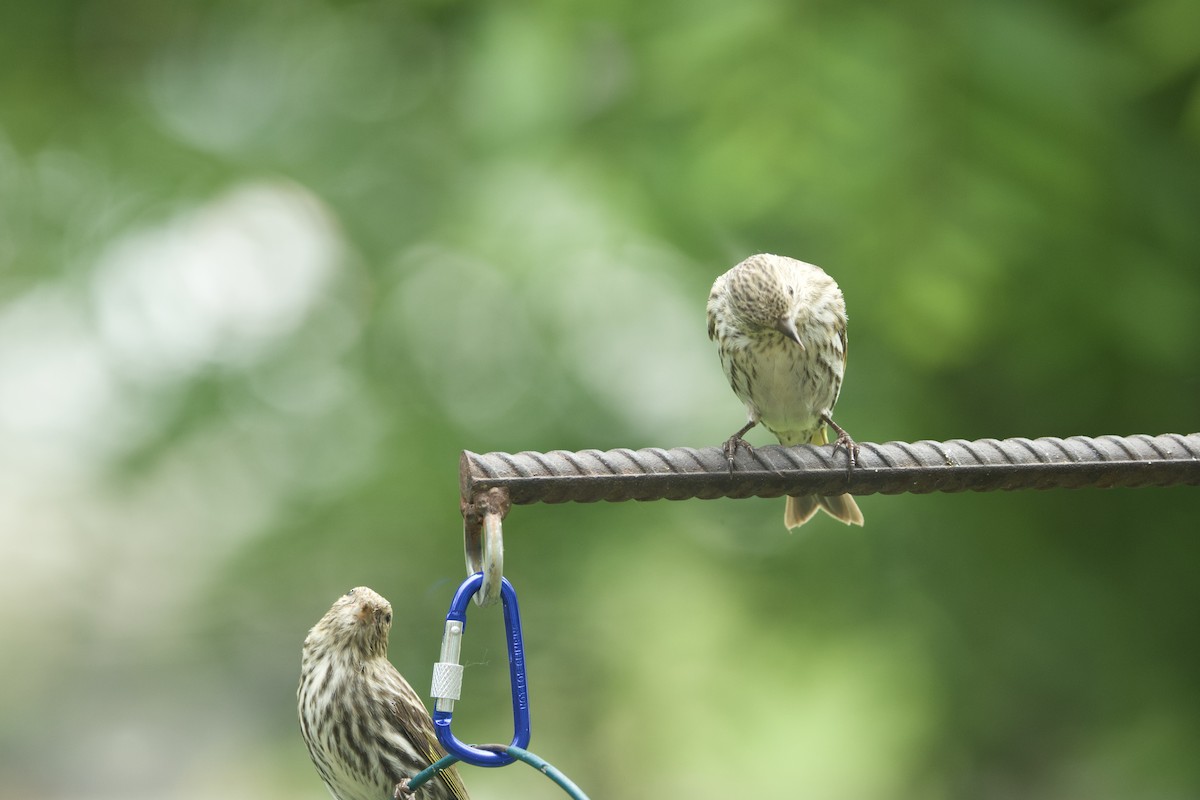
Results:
365 727
780 329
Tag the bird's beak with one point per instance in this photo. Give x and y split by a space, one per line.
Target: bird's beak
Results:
787 326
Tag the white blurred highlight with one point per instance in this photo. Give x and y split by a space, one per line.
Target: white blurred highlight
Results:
216 284
82 379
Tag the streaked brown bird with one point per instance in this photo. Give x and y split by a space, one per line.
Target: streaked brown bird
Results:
780 329
365 727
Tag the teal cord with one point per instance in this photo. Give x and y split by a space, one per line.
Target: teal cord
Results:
550 771
423 777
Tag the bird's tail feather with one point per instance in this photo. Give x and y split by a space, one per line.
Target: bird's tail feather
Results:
841 507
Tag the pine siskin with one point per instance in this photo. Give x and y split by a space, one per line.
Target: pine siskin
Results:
780 329
365 727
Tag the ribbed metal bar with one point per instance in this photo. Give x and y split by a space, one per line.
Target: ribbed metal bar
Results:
891 468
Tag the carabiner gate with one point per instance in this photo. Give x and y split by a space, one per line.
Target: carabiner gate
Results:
447 675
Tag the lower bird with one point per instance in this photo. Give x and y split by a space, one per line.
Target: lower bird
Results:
780 329
365 727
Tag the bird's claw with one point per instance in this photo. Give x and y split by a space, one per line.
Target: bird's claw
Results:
731 446
844 442
734 442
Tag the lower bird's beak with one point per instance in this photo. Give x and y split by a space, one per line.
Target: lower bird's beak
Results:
787 326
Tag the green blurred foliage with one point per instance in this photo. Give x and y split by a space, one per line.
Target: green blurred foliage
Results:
266 269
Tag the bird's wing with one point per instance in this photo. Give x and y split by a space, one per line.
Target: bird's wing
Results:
845 354
418 729
717 288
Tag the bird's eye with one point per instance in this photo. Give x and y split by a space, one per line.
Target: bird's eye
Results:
349 593
388 618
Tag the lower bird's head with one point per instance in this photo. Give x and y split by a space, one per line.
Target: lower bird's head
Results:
766 293
358 623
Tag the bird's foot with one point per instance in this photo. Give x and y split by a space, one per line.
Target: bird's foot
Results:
843 441
731 446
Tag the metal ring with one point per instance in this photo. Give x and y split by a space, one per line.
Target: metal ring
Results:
493 560
483 541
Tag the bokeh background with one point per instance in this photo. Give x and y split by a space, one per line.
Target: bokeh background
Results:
267 268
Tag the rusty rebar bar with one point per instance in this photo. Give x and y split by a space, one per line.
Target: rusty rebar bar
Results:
891 468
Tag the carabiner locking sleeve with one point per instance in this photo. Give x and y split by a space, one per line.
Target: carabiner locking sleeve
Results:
447 675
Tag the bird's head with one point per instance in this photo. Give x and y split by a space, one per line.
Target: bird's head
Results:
766 291
358 622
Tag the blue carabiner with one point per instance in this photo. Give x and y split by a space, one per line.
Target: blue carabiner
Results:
516 670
